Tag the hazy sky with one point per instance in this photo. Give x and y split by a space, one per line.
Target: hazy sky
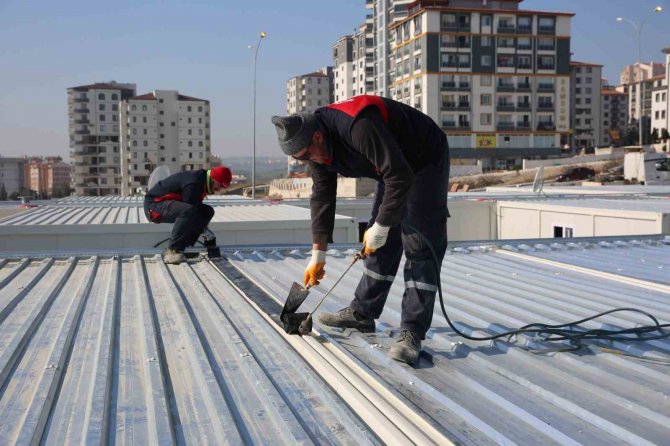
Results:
201 49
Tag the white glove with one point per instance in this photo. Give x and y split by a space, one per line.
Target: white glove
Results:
314 271
375 237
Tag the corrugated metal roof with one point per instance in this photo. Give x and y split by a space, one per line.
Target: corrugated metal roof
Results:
557 188
496 392
117 199
112 214
125 349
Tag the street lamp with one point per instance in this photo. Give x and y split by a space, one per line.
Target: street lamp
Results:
638 28
253 162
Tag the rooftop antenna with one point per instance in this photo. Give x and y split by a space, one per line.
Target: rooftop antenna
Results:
538 182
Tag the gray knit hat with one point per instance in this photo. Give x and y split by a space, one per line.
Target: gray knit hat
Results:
295 132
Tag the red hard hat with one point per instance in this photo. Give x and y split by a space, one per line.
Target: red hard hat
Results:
222 175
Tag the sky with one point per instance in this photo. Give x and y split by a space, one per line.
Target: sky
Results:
201 48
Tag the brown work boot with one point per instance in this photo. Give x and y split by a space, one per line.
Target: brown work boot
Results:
406 348
173 257
348 318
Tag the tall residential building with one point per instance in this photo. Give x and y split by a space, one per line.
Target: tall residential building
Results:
163 128
614 116
12 174
660 111
93 112
495 77
353 69
307 92
633 73
43 175
640 96
386 13
585 104
304 94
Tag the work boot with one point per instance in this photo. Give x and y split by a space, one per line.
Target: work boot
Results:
348 318
173 257
406 348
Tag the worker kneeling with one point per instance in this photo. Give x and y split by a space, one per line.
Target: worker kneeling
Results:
407 153
179 199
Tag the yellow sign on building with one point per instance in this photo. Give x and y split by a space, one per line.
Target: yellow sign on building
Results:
486 141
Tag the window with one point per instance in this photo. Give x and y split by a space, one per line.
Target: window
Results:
144 108
199 109
524 43
115 97
505 61
161 124
134 143
115 107
189 132
133 107
588 90
145 143
188 109
578 91
485 118
563 232
173 123
145 131
160 101
546 44
102 128
589 70
102 117
101 96
199 143
134 131
589 80
487 20
485 81
486 60
486 99
161 112
524 62
486 41
190 143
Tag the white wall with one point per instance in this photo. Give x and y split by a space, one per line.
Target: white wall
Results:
533 220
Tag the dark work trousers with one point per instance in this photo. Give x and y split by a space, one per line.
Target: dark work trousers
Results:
427 212
189 220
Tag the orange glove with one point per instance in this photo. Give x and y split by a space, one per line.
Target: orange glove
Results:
375 237
314 271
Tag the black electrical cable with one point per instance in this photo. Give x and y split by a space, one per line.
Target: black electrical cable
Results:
559 332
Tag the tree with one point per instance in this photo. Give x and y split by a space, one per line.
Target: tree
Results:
3 193
631 137
654 136
14 196
665 135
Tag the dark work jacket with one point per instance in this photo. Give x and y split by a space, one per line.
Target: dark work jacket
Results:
188 187
373 137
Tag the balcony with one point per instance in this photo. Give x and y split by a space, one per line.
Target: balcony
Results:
545 107
81 110
82 121
506 29
523 125
449 86
525 66
524 47
451 125
523 87
505 107
523 106
80 99
506 88
546 29
505 126
546 67
546 47
464 86
82 132
546 126
524 29
545 88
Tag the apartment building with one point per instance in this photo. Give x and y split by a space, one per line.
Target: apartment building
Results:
93 112
353 64
633 73
12 174
614 116
495 77
385 13
162 128
44 175
660 108
586 104
304 94
640 100
307 92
